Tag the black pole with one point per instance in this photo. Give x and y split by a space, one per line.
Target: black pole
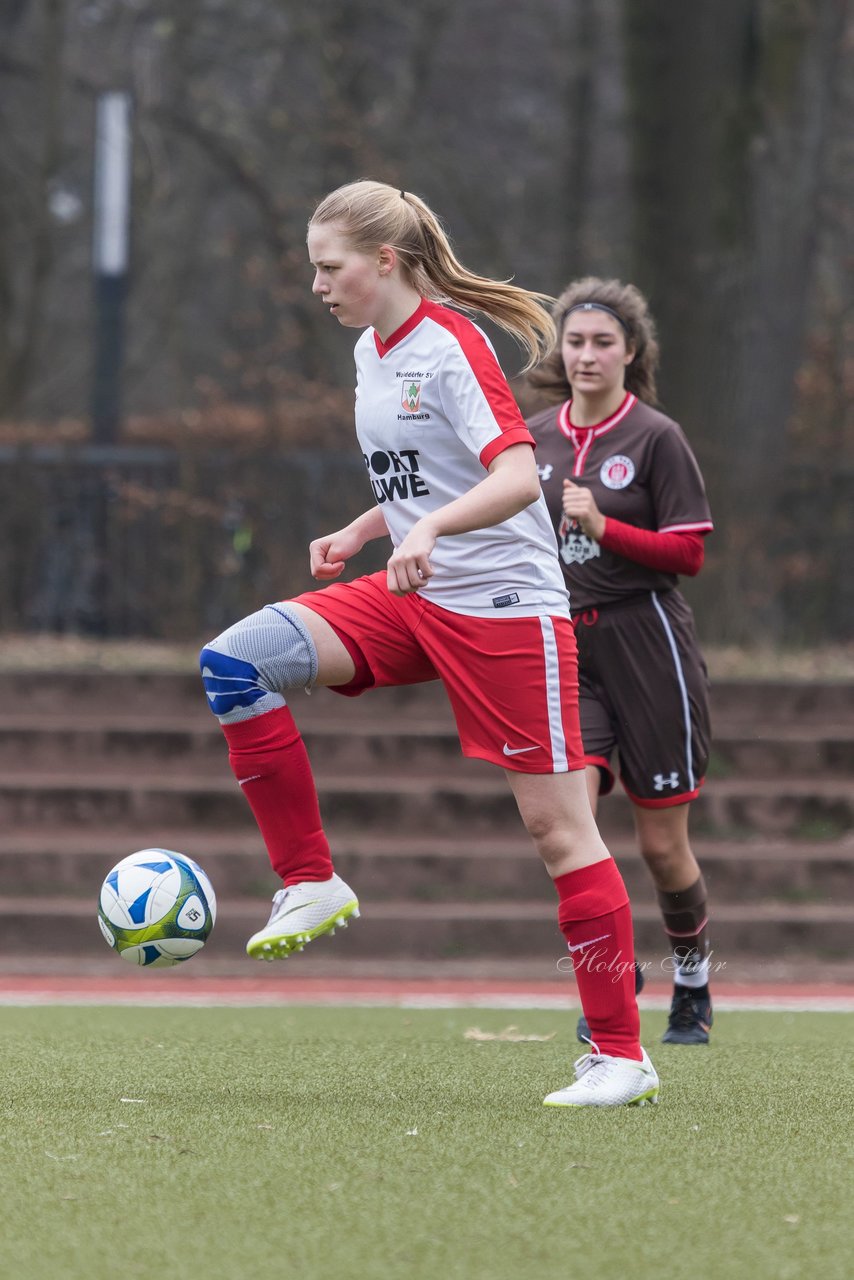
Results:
110 270
110 298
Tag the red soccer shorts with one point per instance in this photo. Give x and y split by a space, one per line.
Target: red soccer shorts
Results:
512 682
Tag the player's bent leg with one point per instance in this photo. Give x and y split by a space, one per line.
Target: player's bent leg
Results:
593 782
681 891
246 672
595 919
249 667
556 812
593 777
664 844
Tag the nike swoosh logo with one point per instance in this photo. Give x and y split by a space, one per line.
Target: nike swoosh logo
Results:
241 782
589 943
298 907
517 751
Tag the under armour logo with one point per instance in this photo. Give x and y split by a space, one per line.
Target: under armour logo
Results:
661 782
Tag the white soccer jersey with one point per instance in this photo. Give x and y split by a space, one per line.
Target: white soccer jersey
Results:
432 410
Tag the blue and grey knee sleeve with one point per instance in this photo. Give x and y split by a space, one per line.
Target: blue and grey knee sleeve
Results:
246 670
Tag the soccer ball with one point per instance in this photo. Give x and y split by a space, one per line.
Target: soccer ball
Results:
156 908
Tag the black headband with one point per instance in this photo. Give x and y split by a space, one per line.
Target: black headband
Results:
599 306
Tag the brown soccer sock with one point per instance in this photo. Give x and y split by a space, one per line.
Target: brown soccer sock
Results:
685 919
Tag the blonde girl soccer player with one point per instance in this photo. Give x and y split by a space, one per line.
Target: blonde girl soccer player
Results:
629 506
473 595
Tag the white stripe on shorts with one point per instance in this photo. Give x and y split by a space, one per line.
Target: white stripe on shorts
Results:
553 697
686 706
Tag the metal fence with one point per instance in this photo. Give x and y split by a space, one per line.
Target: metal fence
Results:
153 542
174 544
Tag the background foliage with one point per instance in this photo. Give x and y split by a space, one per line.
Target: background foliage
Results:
703 151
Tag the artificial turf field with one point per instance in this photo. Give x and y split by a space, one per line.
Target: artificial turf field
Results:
378 1143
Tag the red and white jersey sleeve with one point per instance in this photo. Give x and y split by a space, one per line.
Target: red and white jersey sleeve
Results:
433 409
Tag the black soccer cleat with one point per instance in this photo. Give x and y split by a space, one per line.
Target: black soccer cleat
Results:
690 1017
582 1030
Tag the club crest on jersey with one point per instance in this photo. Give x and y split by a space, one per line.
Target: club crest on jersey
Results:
617 472
410 398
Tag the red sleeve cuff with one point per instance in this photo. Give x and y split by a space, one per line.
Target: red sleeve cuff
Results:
668 552
516 435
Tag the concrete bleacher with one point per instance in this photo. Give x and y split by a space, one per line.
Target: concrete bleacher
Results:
95 765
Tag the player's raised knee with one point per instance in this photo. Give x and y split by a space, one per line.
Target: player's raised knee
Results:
247 668
231 683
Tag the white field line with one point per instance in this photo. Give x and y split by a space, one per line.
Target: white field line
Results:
723 1004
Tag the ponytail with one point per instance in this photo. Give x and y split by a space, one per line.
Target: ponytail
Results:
372 213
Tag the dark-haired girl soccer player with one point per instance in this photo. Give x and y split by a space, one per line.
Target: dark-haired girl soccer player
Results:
473 595
628 503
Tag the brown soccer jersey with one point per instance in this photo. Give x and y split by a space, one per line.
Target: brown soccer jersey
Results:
640 469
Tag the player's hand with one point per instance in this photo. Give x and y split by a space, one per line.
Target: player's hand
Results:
329 554
409 565
580 505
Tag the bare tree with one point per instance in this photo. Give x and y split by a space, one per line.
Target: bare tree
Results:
731 111
29 162
702 150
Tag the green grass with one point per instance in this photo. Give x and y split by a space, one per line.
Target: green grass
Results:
381 1143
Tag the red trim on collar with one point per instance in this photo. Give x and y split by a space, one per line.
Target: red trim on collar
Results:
414 320
583 437
573 433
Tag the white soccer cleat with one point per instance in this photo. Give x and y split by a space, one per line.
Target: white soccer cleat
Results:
602 1081
301 913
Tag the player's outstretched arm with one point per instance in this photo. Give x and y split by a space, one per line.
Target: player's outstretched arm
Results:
510 486
329 553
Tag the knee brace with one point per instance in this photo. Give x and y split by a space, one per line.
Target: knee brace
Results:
246 669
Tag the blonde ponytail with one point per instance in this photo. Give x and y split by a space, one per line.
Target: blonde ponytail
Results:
372 213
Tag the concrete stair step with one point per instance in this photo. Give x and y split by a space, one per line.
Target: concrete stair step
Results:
784 702
111 745
111 742
820 750
157 695
161 693
97 764
42 926
805 808
465 806
421 869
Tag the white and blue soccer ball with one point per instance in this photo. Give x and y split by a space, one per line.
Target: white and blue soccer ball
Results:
156 907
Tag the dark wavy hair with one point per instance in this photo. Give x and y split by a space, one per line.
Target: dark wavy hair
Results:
629 304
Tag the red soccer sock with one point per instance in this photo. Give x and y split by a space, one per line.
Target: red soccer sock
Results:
269 760
596 920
